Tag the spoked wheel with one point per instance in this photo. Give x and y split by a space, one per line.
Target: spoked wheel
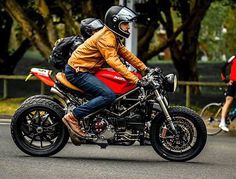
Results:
184 144
211 115
37 128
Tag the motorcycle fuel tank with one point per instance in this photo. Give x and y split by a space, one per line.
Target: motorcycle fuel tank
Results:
115 81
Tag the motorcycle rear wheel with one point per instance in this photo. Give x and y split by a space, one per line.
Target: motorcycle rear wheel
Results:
187 143
37 128
42 96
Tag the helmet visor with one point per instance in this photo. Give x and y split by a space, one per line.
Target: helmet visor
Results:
126 15
96 24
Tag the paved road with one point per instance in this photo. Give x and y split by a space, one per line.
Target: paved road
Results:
218 160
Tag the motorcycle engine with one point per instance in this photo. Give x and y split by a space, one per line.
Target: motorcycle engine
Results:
108 128
133 121
102 128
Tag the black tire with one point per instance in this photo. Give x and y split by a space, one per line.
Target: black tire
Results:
211 115
37 128
41 96
189 142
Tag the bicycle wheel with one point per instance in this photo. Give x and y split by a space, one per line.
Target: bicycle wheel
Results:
211 115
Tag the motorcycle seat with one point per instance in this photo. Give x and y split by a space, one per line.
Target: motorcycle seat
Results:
61 77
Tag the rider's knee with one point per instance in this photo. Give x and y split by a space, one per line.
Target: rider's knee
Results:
110 96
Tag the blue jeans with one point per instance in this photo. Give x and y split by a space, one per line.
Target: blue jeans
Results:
90 84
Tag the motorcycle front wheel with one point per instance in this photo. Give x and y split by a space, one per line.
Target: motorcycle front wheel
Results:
184 144
37 128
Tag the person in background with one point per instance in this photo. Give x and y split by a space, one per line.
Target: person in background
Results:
231 90
105 46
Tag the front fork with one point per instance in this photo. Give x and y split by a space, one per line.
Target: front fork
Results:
165 110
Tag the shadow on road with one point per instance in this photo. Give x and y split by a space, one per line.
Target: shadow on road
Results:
120 160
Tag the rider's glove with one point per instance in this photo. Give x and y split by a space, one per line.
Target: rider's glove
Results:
142 83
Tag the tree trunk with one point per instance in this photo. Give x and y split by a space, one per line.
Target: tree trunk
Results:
96 8
5 33
44 11
87 8
144 41
184 53
30 31
70 26
8 62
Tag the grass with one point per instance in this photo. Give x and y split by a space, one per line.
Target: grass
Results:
9 106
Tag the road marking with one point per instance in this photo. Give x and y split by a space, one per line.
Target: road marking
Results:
5 121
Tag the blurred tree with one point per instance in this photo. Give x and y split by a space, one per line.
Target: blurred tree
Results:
218 31
211 36
6 23
230 36
43 22
183 49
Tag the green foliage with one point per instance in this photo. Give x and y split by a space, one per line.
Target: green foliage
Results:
230 37
218 30
9 106
211 34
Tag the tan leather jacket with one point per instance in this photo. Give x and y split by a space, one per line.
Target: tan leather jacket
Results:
103 47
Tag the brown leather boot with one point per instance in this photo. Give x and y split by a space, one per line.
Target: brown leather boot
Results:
72 124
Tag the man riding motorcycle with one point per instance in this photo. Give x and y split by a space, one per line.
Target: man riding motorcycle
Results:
104 46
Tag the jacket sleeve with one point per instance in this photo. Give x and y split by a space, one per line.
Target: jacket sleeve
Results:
224 67
131 58
108 49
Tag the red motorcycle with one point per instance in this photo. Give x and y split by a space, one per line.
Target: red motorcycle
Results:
176 133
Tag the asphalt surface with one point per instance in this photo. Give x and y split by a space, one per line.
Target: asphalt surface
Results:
217 160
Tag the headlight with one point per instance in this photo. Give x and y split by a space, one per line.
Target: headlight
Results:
170 83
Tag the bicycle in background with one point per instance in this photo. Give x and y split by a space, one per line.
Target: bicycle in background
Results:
211 115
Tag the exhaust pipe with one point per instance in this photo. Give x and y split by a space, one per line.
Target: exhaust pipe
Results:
57 92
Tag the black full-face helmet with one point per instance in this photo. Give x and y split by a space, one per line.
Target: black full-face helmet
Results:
89 25
116 15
